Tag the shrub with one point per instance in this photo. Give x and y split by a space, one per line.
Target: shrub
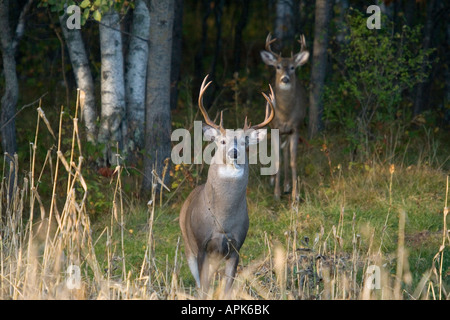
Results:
376 67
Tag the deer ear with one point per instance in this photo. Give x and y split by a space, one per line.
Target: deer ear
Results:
268 58
301 58
256 136
210 133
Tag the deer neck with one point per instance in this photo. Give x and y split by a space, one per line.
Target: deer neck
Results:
285 95
226 187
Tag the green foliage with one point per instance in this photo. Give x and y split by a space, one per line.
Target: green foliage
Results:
89 8
376 68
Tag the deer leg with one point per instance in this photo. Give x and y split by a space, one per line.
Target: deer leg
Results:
203 266
287 186
230 271
293 163
193 266
277 192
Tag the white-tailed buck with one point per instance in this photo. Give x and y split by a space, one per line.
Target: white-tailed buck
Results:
214 219
290 105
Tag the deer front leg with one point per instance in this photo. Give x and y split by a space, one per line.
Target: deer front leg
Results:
208 264
286 144
203 266
293 163
230 272
277 191
193 266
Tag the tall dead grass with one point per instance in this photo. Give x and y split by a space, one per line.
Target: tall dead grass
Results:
47 252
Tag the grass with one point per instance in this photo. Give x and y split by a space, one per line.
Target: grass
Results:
347 217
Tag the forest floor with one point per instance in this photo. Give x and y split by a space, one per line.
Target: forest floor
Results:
346 217
349 217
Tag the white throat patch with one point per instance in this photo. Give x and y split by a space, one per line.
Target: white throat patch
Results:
231 171
284 86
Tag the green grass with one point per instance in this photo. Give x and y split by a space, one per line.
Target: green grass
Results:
360 200
347 217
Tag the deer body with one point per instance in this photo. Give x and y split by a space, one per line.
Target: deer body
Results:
289 100
214 222
214 218
291 104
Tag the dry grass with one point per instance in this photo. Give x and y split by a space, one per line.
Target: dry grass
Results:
47 252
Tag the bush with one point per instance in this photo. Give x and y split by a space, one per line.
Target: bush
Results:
376 68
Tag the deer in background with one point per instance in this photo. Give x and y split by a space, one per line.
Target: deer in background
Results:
214 219
290 104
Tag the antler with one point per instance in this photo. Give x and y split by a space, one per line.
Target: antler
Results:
270 112
208 121
269 41
302 43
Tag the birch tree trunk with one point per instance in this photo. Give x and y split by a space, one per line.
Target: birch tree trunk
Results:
319 66
135 78
83 77
158 119
112 87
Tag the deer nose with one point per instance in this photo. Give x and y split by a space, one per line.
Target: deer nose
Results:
285 79
233 153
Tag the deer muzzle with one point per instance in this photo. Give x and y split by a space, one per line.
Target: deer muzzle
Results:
285 79
233 154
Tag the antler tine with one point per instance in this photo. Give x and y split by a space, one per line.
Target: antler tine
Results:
246 125
302 42
270 110
269 41
208 121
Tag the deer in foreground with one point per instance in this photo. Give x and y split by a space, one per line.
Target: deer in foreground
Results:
290 105
214 219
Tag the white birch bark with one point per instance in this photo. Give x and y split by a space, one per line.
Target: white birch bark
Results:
83 77
112 87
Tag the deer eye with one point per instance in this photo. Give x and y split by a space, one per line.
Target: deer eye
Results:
278 67
292 68
223 141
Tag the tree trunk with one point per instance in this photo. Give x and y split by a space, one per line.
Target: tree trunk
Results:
410 11
198 60
421 89
285 23
158 119
218 13
217 9
341 23
112 124
447 76
11 93
243 19
319 65
176 53
83 77
135 78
